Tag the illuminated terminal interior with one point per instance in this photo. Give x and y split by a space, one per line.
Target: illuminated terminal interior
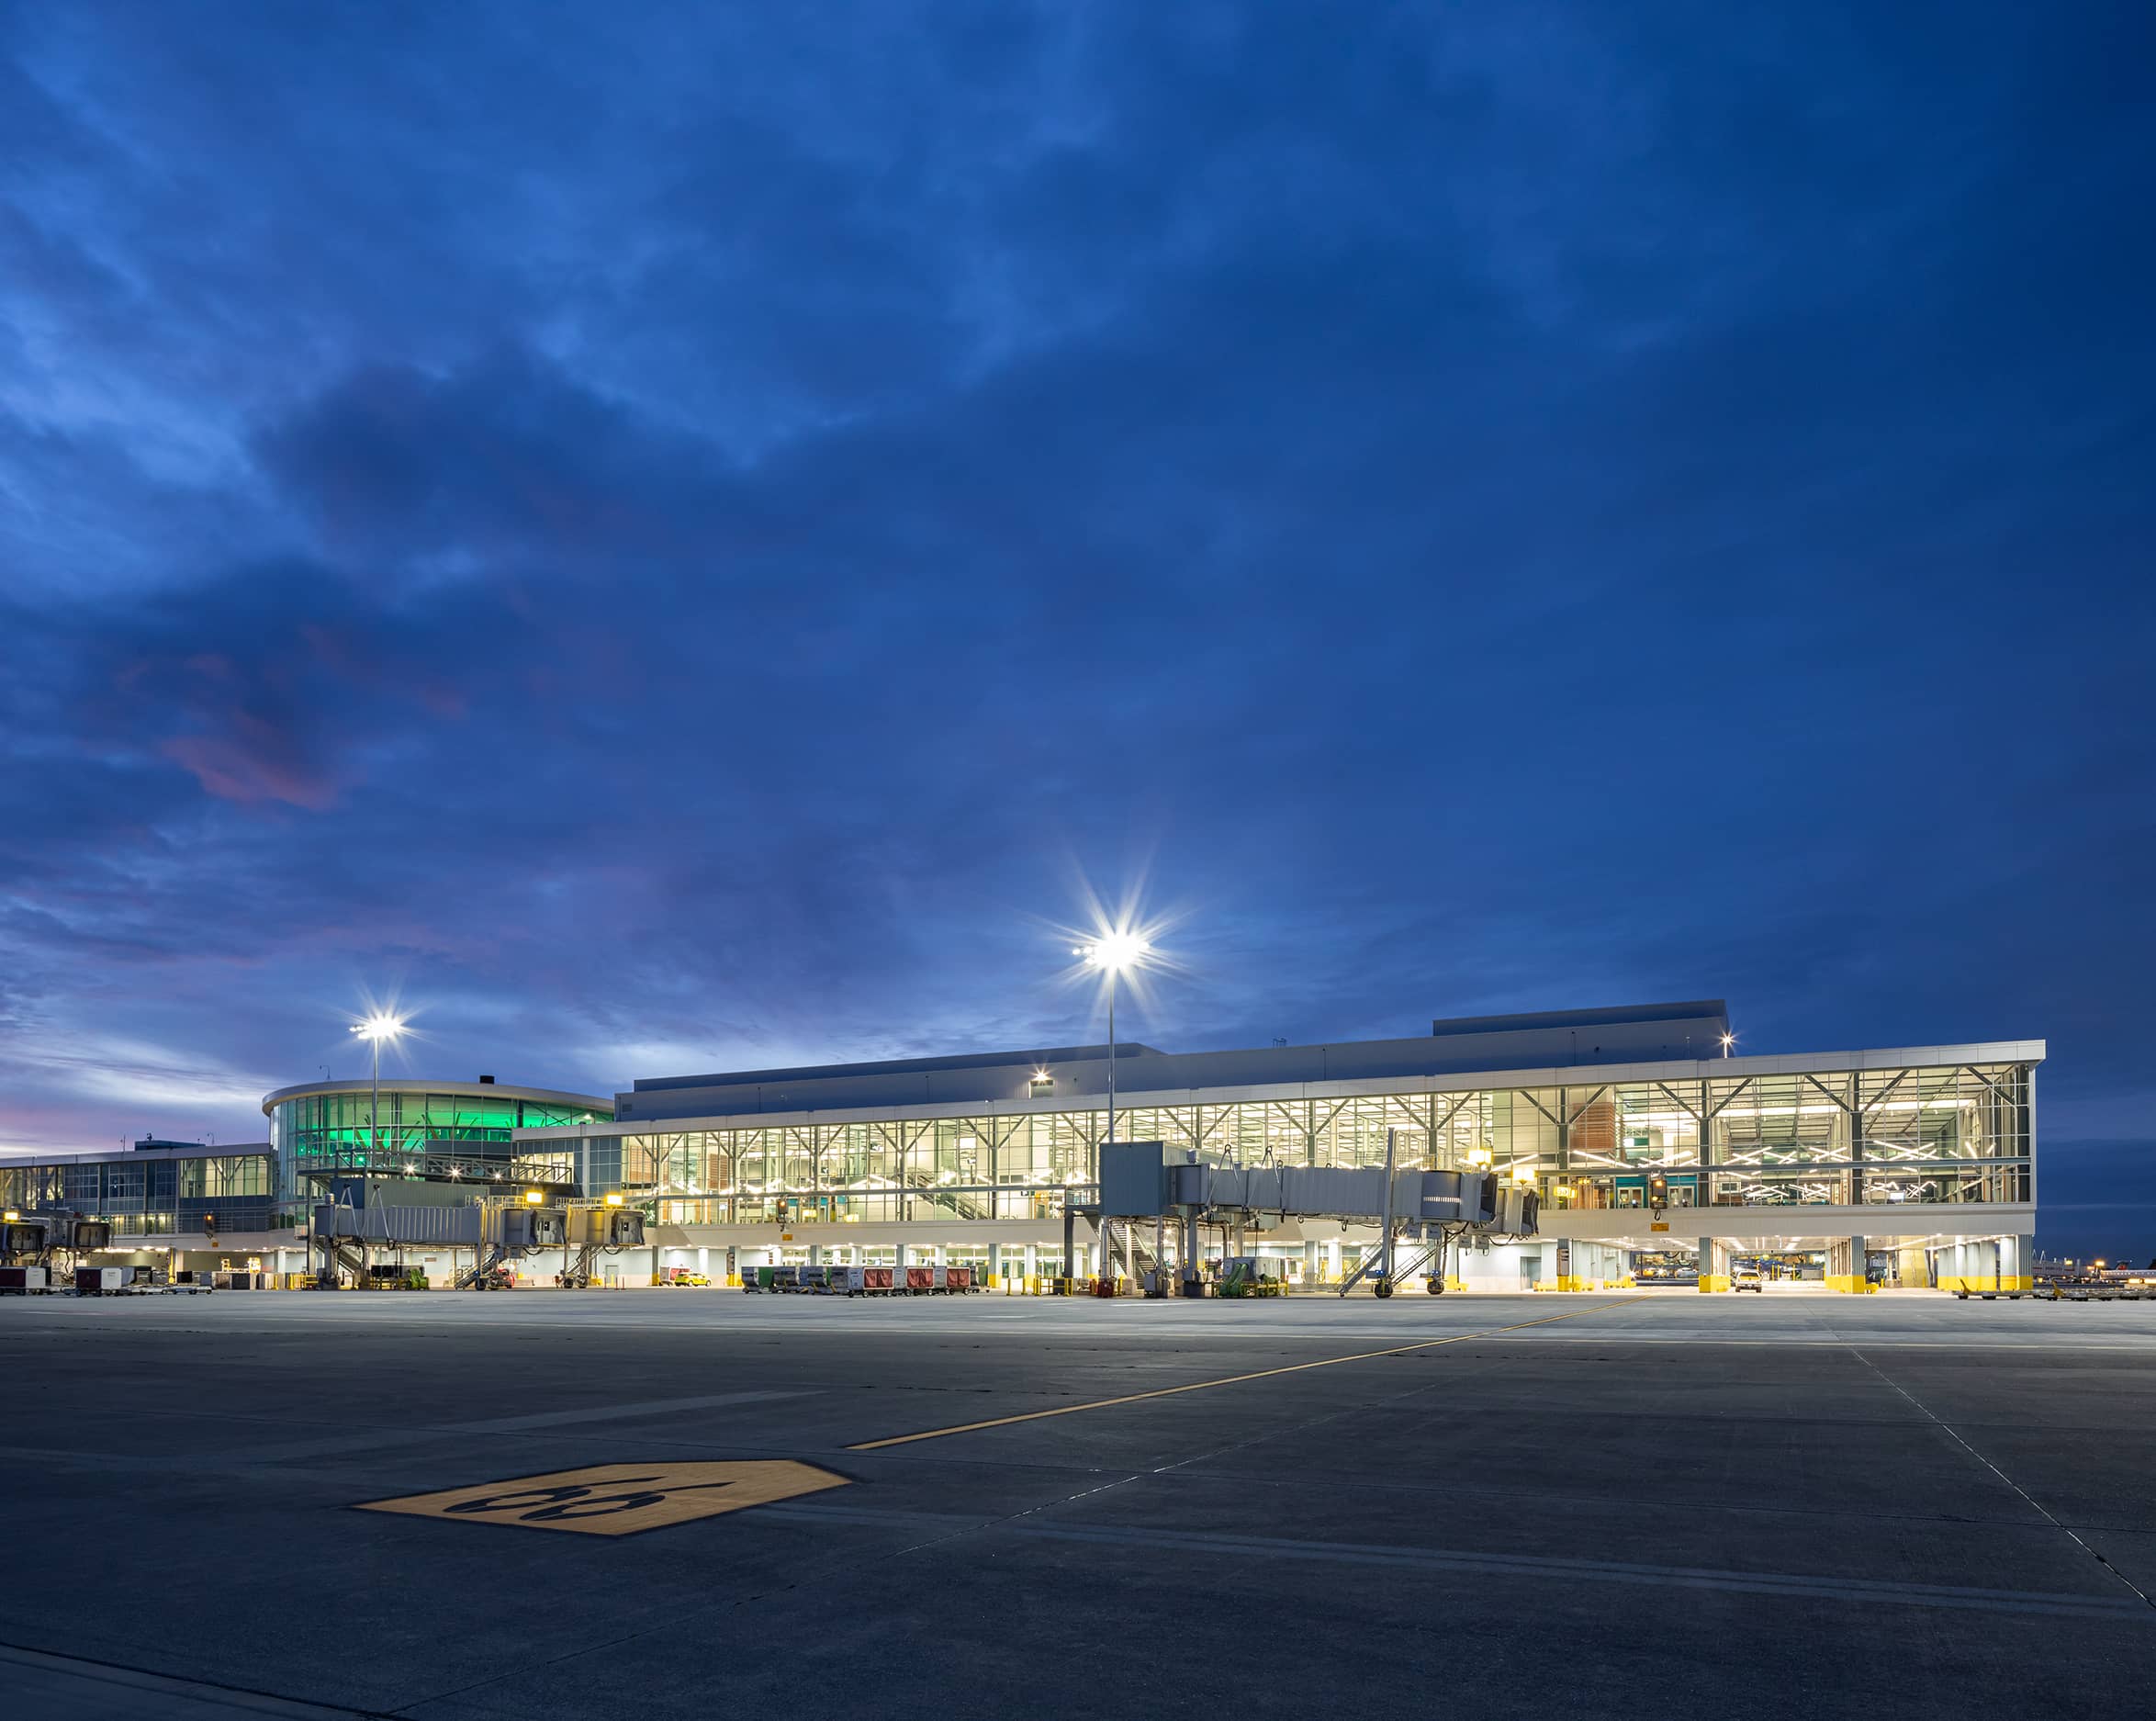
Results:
423 1129
156 1190
1904 1167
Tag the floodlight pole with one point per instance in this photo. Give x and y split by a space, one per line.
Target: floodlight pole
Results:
1109 953
376 1029
1108 1266
1111 1057
1384 1242
374 1107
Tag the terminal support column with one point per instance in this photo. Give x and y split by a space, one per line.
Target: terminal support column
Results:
1713 1265
1856 1167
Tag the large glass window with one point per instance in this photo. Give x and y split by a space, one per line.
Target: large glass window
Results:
317 1133
1870 1137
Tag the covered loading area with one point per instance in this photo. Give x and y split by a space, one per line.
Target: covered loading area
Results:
1792 1260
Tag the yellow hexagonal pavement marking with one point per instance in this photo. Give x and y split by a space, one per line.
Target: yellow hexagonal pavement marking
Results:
618 1499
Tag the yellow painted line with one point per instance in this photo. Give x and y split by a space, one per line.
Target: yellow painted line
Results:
1229 1381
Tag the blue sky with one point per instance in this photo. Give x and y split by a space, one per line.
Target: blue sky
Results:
670 537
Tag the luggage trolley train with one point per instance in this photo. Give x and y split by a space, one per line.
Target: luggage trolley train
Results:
861 1281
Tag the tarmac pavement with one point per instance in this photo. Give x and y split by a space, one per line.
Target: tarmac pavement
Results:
1538 1505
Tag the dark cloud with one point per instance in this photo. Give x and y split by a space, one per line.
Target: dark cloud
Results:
677 537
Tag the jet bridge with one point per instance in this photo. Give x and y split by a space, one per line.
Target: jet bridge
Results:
1426 1210
42 1246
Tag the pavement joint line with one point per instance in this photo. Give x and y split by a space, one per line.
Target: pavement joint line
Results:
617 1412
208 1466
1246 1479
1955 1434
1017 1517
381 1439
1227 1380
1449 1378
232 1699
1866 1590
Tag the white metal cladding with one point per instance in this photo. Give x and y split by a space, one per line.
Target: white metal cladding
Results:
455 1090
2029 1052
1334 1192
400 1224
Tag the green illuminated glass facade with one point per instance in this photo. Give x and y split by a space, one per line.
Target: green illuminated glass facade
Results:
339 1130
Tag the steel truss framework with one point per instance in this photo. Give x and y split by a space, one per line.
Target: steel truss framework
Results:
1925 1135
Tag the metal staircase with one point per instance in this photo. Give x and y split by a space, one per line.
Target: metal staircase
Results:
345 1259
959 1206
487 1263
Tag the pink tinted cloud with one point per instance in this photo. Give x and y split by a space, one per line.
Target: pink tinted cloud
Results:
251 766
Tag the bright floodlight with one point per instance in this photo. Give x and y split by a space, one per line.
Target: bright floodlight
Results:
1116 951
380 1028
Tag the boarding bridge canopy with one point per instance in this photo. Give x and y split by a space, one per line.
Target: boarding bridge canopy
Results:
1139 1181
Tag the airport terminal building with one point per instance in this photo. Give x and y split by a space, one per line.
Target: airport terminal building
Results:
1658 1157
202 1206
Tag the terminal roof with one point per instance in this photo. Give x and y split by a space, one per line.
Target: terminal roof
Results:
1640 1033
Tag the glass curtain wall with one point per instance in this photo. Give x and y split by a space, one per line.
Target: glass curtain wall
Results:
321 1132
151 1197
1955 1134
1952 1134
